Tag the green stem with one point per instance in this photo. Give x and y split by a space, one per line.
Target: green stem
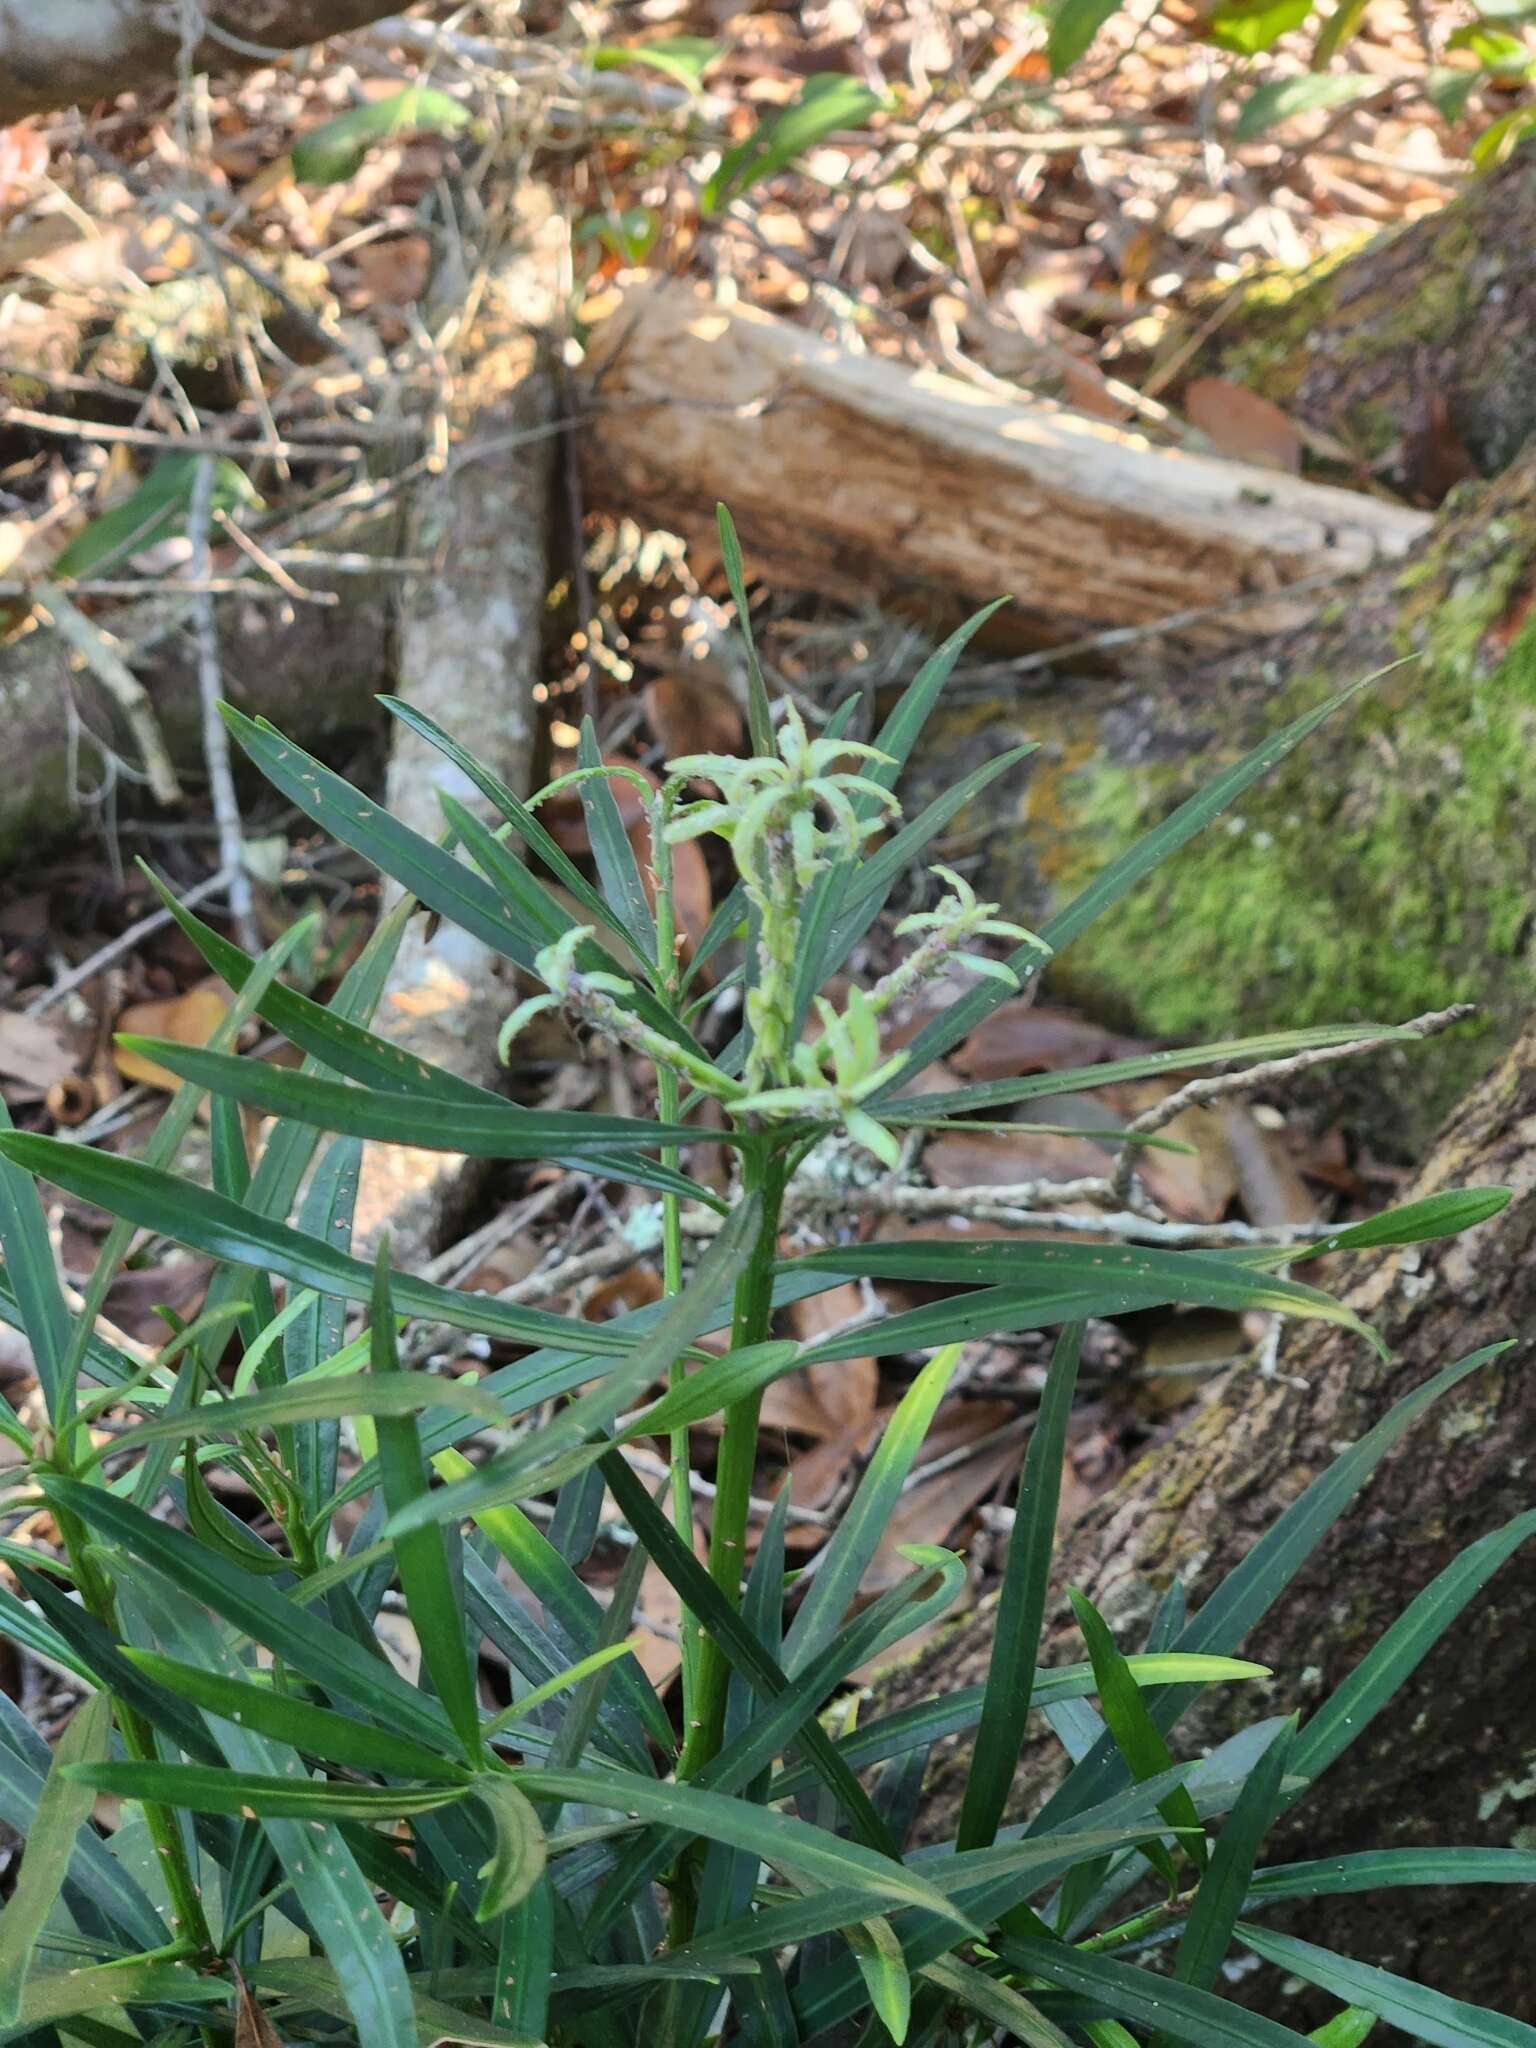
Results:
187 1916
766 1174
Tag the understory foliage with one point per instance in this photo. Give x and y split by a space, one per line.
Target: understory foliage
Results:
310 1845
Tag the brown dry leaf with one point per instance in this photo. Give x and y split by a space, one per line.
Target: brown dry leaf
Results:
692 711
189 1019
394 272
1195 1187
252 2027
1084 386
1268 1179
929 1511
1021 1037
36 1050
23 161
1241 424
846 1392
660 1614
963 1159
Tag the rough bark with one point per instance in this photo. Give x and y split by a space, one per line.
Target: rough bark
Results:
1194 1505
469 655
72 51
1419 350
853 475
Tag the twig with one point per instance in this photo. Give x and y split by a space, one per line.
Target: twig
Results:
1214 1087
183 444
270 565
125 942
99 651
221 780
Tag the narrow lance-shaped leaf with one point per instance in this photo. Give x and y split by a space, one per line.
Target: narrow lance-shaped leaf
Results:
1119 877
208 1222
1006 1700
285 1717
684 1317
1423 2013
853 1543
1224 1885
63 1809
1135 1733
431 1598
517 1862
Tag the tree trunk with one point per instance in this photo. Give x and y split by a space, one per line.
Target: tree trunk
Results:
1450 1760
1419 351
81 50
315 670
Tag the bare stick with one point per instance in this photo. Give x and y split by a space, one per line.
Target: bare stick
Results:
99 651
221 781
1213 1087
123 943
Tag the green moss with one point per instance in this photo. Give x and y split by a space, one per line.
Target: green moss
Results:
1383 870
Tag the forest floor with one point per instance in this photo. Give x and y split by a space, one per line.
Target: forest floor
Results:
205 270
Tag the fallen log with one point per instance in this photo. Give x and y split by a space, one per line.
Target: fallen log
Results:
468 656
853 475
95 49
1194 1505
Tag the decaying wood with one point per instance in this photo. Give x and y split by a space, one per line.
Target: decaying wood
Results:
469 652
80 50
1195 1504
854 475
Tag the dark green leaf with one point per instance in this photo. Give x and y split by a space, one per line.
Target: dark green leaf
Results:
1224 1886
617 868
1136 1734
1351 1707
1120 877
32 1276
421 1555
1007 1698
777 1838
208 1222
1426 2015
998 2004
826 102
848 1551
284 1717
759 717
62 1810
517 1862
1384 1869
1147 2001
1198 1278
1436 1216
1074 26
337 149
206 1790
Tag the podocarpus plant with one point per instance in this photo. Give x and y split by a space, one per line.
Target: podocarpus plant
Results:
312 1846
